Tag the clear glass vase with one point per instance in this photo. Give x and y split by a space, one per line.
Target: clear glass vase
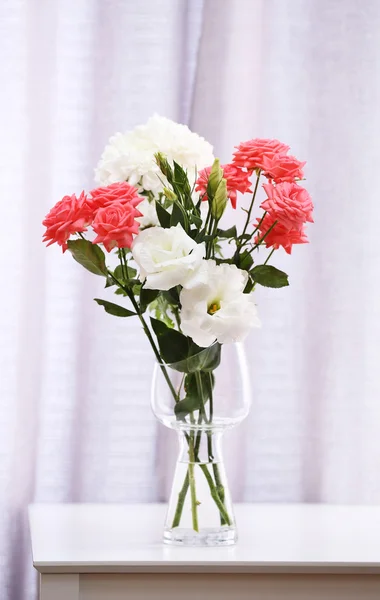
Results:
201 400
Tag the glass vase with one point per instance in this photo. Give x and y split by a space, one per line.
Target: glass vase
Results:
201 399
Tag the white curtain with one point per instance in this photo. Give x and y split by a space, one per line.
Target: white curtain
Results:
75 423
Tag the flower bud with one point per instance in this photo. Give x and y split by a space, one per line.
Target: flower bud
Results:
219 201
169 195
215 177
165 167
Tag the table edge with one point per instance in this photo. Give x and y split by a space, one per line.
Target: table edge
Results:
217 567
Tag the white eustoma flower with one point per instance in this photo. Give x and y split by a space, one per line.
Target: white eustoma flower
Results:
166 257
130 156
149 214
214 306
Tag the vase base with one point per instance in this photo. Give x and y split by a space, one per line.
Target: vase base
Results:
217 536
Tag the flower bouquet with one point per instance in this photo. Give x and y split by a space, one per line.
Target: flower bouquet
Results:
190 280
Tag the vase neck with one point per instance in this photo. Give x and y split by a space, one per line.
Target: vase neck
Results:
202 446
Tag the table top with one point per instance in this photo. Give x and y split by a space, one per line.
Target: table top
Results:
112 538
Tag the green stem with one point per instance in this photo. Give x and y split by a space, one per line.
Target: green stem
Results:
239 245
193 493
269 255
209 243
213 234
263 238
219 489
181 501
215 495
202 410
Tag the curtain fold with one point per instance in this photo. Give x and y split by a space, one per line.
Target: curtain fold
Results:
75 422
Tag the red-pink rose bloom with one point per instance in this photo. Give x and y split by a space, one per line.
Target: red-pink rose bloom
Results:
115 225
279 235
121 192
237 181
289 203
282 168
253 153
69 216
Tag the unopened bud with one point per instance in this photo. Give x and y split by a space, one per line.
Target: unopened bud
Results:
170 195
219 201
165 167
215 177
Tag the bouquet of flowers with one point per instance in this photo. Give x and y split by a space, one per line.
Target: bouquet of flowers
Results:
189 280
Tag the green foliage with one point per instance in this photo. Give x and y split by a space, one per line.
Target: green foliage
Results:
115 309
178 216
181 353
269 276
146 297
161 308
244 260
249 287
174 346
120 273
227 233
198 392
181 185
89 255
163 216
172 295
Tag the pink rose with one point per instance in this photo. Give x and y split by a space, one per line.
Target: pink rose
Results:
69 216
237 181
289 203
283 168
115 225
116 192
279 235
252 154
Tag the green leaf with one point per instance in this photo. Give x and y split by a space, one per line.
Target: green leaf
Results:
119 273
120 292
186 406
193 399
109 282
146 297
199 359
89 255
115 309
177 216
269 276
244 261
172 295
195 219
227 233
249 287
204 359
181 181
173 345
163 216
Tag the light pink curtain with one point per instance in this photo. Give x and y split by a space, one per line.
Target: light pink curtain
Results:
75 423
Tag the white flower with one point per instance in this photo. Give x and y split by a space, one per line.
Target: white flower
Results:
130 156
214 306
149 214
166 257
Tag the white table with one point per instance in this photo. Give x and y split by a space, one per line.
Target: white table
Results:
287 552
